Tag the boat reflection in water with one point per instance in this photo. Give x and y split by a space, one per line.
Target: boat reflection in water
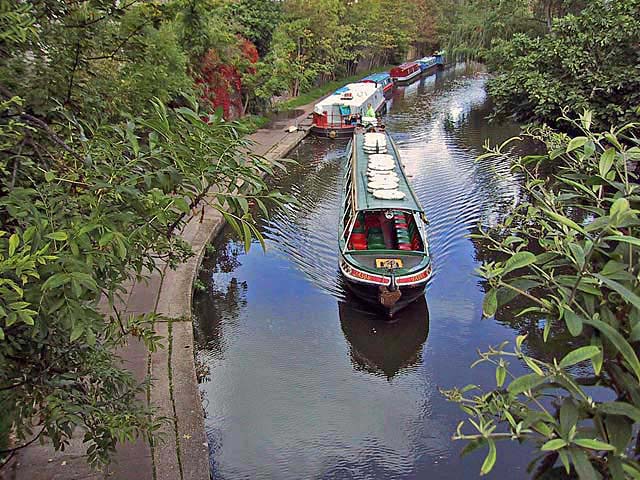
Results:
381 347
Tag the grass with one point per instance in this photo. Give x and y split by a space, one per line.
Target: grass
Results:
251 123
321 91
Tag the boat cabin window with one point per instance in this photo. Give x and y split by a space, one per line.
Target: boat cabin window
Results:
385 230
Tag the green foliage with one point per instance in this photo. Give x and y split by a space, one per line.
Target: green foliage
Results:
255 20
317 42
588 61
469 29
570 258
97 178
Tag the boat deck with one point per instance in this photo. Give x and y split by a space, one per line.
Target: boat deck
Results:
365 199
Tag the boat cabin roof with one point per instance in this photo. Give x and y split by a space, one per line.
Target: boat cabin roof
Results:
404 66
427 59
351 95
364 199
377 77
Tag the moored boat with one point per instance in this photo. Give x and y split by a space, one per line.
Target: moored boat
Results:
384 253
428 64
381 79
405 73
338 114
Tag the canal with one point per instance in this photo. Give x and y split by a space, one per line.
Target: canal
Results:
299 381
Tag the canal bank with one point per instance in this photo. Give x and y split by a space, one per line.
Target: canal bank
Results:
182 452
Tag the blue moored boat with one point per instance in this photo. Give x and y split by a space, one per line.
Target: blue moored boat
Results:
382 79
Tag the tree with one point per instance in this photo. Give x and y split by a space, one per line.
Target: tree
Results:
93 193
255 20
571 254
587 61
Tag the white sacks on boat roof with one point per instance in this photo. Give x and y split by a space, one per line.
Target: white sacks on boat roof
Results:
388 194
375 142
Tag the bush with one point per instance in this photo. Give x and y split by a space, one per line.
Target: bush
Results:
587 61
571 256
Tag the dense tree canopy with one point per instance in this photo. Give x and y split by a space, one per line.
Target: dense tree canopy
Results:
587 61
549 55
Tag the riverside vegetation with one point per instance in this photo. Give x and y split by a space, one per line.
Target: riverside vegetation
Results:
571 262
571 246
102 163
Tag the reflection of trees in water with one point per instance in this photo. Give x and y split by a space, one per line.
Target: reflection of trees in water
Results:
223 297
381 347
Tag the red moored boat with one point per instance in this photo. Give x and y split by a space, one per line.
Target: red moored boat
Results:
405 73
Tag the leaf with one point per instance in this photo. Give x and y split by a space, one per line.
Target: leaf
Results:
633 154
606 161
582 465
576 142
244 205
501 375
573 322
525 383
577 185
568 416
133 139
593 444
618 207
60 236
579 355
532 365
106 238
618 342
625 239
555 444
14 241
619 431
56 281
472 446
564 458
490 303
624 292
620 408
246 235
578 254
490 459
77 331
181 204
519 260
585 119
564 220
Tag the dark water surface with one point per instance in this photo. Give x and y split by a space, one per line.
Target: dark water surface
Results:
301 381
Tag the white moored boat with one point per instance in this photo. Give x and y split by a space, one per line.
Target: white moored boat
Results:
339 113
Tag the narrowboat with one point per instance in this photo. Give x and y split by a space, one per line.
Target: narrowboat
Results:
405 73
384 253
381 79
427 64
339 113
